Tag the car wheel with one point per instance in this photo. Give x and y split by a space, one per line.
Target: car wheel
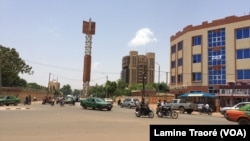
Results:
243 121
15 104
182 110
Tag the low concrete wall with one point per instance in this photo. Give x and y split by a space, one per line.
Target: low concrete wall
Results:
22 93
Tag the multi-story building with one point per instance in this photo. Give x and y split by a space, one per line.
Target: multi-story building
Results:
211 57
138 69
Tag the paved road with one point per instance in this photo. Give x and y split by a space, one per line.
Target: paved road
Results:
44 122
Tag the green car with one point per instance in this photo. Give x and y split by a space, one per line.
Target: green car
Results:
7 100
69 100
95 103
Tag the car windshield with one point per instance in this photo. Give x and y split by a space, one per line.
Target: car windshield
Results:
99 100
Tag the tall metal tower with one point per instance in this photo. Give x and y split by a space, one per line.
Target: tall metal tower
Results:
88 30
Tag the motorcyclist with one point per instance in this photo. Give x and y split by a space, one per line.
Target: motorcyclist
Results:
143 106
158 103
158 106
164 105
119 101
205 107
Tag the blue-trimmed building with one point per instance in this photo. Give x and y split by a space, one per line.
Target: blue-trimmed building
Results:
213 57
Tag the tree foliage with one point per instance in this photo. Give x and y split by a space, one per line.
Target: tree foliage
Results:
11 65
66 89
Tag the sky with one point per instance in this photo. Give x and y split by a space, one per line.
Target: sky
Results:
48 36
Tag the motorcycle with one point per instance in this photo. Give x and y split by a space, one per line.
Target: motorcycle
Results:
166 111
49 101
208 111
143 110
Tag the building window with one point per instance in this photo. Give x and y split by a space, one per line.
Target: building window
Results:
196 76
179 77
173 49
243 33
173 79
216 38
173 64
196 40
243 74
180 44
216 56
196 58
243 53
180 62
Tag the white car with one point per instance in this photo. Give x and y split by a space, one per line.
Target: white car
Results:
235 107
110 100
129 102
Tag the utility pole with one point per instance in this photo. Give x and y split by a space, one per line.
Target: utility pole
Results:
167 80
0 75
143 83
158 78
49 83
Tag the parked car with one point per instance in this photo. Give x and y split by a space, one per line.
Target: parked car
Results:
182 105
7 100
242 115
235 107
129 102
95 103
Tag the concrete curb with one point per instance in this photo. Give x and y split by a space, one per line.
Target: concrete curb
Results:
15 108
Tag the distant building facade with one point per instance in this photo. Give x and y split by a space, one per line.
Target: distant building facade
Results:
213 57
53 86
138 69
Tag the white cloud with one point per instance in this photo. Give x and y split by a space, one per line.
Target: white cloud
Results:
95 65
143 37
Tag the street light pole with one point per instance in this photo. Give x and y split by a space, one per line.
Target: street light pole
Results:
0 76
158 77
143 83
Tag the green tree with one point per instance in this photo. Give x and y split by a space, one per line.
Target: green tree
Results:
121 84
34 86
66 89
97 90
110 88
11 65
76 92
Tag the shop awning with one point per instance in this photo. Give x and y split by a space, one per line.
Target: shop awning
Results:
197 94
